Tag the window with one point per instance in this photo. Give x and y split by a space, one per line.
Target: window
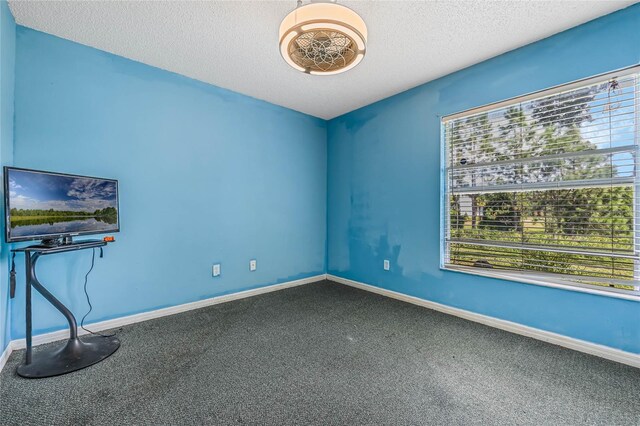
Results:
544 188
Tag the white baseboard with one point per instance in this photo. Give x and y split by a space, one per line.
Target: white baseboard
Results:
4 357
602 351
144 316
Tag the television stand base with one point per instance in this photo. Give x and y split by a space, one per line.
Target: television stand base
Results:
76 354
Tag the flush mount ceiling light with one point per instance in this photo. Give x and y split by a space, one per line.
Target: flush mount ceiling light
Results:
323 38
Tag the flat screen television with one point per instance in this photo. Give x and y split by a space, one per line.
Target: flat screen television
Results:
48 206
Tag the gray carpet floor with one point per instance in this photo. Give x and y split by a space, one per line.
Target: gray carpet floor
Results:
326 354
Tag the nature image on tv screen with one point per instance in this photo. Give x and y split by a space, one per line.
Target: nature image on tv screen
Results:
42 204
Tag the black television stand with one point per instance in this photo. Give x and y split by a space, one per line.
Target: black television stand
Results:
75 354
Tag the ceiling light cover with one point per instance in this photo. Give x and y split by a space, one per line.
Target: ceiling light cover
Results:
323 38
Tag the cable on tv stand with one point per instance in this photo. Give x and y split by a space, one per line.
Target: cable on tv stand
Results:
64 241
75 354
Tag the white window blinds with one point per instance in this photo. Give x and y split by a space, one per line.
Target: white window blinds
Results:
545 187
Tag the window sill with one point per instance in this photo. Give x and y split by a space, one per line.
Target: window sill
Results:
546 282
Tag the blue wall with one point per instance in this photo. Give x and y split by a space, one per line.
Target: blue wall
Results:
206 175
7 68
384 185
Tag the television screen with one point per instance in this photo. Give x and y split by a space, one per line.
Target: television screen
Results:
45 205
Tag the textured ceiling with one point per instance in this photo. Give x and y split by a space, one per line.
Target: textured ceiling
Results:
234 44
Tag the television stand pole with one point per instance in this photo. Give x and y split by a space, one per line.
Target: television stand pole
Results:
75 354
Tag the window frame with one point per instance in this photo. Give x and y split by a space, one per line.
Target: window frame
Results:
532 277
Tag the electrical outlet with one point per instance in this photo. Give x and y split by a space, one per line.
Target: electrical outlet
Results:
216 270
253 265
386 265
